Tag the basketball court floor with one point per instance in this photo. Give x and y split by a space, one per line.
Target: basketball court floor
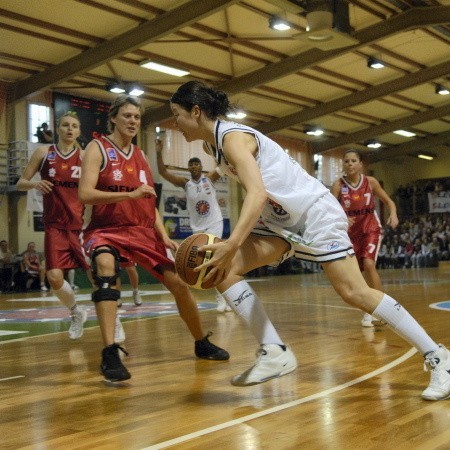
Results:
354 387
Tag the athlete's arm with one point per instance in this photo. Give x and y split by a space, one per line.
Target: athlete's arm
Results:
384 197
162 169
336 188
159 228
25 183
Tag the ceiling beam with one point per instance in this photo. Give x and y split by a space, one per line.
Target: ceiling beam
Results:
371 132
161 26
417 17
357 98
409 147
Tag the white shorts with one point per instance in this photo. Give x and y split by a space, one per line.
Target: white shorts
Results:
320 236
216 229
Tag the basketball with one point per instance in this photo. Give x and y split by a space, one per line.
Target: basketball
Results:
188 258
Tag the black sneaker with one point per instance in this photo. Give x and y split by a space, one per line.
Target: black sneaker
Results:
112 367
206 350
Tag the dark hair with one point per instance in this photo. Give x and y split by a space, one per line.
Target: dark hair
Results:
120 101
194 160
357 152
212 102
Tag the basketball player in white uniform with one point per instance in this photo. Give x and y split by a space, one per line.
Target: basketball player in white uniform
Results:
295 215
203 208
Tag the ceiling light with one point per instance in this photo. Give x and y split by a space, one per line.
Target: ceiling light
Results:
313 131
276 23
404 133
135 91
427 156
441 90
374 63
373 144
115 88
236 115
164 69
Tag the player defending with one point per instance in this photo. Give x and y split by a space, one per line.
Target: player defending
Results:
356 194
123 224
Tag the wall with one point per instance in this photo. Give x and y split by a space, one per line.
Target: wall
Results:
403 171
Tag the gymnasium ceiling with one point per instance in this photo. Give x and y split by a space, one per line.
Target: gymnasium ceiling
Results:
283 81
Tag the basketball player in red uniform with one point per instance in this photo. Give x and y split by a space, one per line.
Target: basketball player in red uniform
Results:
123 224
356 193
59 166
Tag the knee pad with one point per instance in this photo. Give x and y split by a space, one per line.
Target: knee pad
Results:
103 281
105 294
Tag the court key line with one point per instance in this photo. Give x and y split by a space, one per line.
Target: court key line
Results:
275 409
12 378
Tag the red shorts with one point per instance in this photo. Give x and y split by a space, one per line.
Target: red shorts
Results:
138 245
63 249
366 246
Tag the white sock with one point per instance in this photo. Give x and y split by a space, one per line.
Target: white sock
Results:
391 312
244 301
66 295
71 276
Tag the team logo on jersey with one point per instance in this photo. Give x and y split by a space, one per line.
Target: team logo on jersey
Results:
51 172
64 166
347 203
333 245
129 169
51 155
277 209
112 155
117 175
344 189
202 207
355 197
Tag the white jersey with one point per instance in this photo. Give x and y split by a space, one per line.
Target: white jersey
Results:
202 205
291 191
299 208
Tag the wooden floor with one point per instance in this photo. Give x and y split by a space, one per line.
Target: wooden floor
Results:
354 388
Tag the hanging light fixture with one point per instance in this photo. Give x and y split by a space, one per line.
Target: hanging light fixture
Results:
441 90
314 131
372 143
374 63
115 87
279 24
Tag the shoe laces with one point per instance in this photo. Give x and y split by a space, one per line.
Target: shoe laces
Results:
431 362
119 347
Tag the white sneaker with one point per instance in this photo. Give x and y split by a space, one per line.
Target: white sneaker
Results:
367 321
272 362
74 287
77 319
137 297
438 363
119 332
44 288
222 305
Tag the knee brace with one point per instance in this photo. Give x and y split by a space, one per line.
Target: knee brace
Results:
104 291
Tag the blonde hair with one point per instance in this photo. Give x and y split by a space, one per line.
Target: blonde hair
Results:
68 114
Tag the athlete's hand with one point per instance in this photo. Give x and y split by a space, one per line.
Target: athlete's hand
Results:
351 221
221 260
143 191
44 186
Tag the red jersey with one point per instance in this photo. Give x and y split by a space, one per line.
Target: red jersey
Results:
121 172
62 208
359 204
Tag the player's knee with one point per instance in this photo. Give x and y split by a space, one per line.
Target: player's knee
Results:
105 280
103 294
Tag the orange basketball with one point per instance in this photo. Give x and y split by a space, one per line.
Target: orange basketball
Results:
188 258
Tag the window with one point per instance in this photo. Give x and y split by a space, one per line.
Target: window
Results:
37 115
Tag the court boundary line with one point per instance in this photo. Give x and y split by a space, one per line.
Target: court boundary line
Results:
266 412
